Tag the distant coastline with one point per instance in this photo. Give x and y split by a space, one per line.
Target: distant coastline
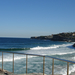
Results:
68 37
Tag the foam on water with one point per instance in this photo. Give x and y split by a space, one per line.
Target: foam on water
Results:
71 69
10 58
64 53
51 50
39 48
50 47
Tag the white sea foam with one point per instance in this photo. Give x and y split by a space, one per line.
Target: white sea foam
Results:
64 53
53 51
39 48
9 58
63 70
50 47
71 69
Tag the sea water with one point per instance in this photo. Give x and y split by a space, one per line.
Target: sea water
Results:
63 50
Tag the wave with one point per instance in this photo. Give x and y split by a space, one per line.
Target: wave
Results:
50 47
8 58
13 49
63 53
38 48
35 48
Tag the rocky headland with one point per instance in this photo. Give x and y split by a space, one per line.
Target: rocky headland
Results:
68 37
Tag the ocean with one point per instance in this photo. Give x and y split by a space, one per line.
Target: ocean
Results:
63 50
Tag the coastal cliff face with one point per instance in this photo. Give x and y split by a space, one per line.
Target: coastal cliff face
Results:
69 37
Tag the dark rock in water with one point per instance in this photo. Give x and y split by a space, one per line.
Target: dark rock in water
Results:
73 45
5 73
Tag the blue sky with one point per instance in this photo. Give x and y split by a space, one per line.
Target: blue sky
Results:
26 18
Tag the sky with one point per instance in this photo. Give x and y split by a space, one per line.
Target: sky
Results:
26 18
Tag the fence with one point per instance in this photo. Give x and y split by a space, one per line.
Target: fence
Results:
53 58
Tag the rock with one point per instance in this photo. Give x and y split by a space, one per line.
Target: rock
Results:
67 37
74 45
5 73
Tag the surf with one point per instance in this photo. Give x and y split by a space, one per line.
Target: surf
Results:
50 47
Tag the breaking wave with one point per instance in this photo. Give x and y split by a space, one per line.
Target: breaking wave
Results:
38 48
50 47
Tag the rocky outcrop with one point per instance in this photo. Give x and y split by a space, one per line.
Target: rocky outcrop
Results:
69 37
74 45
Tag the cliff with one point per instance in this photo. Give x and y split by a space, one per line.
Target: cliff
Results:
69 37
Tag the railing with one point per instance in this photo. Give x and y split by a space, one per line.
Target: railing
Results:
53 58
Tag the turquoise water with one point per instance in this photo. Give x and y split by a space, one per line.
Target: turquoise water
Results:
62 50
